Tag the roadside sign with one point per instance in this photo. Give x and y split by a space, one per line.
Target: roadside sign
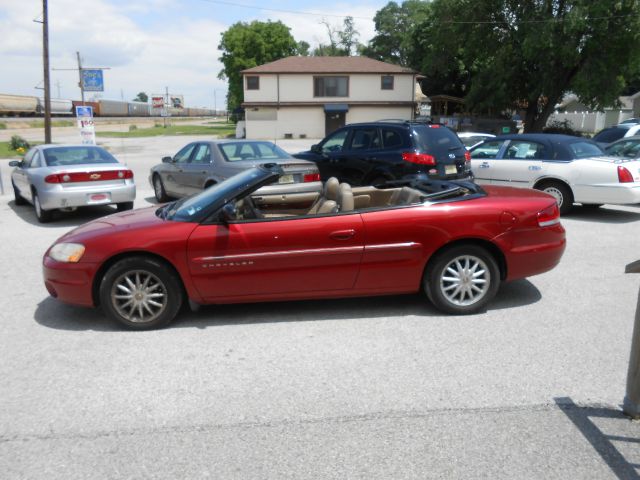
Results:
157 102
92 80
86 125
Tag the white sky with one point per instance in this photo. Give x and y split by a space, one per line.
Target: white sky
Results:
149 44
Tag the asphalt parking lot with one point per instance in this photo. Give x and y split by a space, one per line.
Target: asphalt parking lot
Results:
381 387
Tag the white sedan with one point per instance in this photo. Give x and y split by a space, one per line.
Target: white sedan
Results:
572 169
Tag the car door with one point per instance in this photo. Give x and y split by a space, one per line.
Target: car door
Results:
20 176
519 163
332 155
360 155
173 173
197 169
483 160
280 258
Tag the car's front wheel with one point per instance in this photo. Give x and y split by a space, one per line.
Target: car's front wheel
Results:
141 293
462 279
16 195
42 215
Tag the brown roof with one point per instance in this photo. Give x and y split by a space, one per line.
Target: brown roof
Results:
327 65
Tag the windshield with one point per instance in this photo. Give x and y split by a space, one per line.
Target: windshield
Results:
437 140
59 156
609 135
235 151
196 207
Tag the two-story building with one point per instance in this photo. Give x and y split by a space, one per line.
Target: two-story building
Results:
312 96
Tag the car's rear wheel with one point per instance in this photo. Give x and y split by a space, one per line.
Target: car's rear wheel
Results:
462 279
42 215
124 206
141 293
158 189
16 195
562 194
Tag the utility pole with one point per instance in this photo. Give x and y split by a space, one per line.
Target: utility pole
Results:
631 403
58 88
81 83
45 62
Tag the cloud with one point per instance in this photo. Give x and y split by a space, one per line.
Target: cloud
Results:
148 45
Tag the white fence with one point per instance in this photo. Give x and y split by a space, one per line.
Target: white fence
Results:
591 122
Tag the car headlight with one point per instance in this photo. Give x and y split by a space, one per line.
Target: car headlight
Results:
67 252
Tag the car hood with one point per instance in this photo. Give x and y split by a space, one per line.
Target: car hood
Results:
133 229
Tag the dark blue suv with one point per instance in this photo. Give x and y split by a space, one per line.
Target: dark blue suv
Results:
373 153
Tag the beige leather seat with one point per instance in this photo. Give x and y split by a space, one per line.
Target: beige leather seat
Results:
405 196
327 202
345 198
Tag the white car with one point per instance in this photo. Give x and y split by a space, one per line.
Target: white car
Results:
572 169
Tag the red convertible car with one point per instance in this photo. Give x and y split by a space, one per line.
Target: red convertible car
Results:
454 240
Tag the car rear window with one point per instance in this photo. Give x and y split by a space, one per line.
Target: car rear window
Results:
435 139
62 156
585 150
609 135
235 151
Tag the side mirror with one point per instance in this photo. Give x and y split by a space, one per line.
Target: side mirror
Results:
229 212
167 160
14 163
316 148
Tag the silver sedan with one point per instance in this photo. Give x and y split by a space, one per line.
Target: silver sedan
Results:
65 177
201 164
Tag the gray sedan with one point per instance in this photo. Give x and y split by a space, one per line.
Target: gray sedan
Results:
202 164
65 177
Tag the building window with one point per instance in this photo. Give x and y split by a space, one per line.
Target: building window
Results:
330 86
387 82
253 83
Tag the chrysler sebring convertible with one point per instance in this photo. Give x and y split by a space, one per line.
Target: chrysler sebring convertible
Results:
452 240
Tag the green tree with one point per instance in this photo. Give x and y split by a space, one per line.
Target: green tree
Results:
508 54
247 45
342 42
395 25
141 97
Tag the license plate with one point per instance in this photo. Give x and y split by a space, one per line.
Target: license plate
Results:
99 198
450 169
286 179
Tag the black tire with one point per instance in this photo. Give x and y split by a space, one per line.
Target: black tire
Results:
477 269
562 193
158 189
16 196
123 206
141 293
42 215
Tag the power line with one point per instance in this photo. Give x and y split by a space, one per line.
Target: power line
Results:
296 12
461 22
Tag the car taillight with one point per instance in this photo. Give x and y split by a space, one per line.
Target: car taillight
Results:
467 156
624 175
419 158
311 177
89 176
434 126
549 216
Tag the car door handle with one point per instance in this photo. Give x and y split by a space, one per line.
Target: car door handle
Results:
342 234
484 165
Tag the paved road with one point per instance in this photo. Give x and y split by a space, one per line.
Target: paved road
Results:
359 388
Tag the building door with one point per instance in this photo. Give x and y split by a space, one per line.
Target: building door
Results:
333 121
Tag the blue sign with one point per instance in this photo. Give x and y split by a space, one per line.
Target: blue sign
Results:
92 81
84 111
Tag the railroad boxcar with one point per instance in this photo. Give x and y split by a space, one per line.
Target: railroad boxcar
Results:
18 105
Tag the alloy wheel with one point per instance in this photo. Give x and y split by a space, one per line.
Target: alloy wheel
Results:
465 280
139 296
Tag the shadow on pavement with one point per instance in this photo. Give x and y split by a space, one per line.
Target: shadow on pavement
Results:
613 448
52 313
60 218
606 214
